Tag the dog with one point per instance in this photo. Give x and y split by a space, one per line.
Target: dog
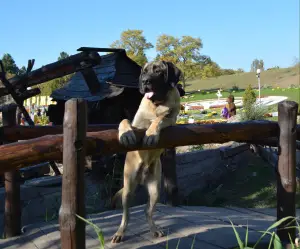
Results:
158 109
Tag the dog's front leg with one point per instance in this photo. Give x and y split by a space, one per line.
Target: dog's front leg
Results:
126 134
153 132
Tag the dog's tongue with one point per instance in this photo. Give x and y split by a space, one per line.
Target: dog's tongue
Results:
149 95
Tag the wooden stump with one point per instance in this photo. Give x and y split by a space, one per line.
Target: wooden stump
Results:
74 150
12 210
286 182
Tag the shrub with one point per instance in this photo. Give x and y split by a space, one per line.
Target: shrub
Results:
235 87
249 97
253 112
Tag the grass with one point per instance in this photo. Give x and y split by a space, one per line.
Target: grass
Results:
292 94
282 77
251 186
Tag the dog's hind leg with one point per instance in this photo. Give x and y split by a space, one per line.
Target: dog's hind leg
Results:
153 186
128 189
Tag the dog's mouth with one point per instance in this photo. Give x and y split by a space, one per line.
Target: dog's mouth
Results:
148 93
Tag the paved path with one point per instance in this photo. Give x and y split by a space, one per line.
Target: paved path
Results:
209 226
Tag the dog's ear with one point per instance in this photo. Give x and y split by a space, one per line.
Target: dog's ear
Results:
173 74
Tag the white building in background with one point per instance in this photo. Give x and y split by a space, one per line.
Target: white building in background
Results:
38 101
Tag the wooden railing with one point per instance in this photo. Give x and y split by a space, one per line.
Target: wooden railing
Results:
79 140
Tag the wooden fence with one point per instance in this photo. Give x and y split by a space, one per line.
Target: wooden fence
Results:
79 140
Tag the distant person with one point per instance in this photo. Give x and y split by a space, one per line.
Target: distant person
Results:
231 106
225 112
39 113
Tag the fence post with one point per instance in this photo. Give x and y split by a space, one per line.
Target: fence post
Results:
72 229
12 210
286 179
168 160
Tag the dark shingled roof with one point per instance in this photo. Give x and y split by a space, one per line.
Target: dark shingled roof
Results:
115 72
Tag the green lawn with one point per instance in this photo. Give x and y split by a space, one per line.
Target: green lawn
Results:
292 94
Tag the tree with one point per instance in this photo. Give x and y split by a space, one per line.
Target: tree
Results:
22 70
9 64
63 55
228 71
135 44
257 64
183 52
211 70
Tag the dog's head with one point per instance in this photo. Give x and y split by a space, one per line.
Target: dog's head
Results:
157 78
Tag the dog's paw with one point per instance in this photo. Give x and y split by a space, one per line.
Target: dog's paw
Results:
117 238
158 233
127 138
151 138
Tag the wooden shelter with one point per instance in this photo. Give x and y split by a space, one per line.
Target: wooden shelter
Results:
117 98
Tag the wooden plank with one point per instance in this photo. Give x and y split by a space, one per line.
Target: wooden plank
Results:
20 132
286 180
73 201
89 49
48 148
12 212
91 80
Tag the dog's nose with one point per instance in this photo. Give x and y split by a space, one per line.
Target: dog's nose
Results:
146 81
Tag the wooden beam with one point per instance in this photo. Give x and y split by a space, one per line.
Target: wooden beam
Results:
20 132
54 70
286 180
12 209
49 148
13 133
112 50
72 229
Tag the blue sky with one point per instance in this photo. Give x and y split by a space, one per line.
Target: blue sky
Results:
234 32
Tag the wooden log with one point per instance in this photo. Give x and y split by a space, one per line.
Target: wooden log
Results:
13 133
286 180
49 148
12 209
168 161
20 132
72 229
54 70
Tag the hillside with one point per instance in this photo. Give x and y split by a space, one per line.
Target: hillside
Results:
282 77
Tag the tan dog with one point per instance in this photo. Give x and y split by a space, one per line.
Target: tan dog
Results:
158 109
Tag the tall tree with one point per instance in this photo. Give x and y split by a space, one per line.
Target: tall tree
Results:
9 64
63 55
22 70
135 44
257 64
184 52
211 70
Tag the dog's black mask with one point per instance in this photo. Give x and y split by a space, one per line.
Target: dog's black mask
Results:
157 78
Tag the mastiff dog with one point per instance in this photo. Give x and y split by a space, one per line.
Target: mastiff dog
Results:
158 109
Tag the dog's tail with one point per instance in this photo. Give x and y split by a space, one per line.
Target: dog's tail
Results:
116 198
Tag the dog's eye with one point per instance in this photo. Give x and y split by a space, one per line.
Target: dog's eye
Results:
157 71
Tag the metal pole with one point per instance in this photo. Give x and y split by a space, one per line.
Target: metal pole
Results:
258 78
